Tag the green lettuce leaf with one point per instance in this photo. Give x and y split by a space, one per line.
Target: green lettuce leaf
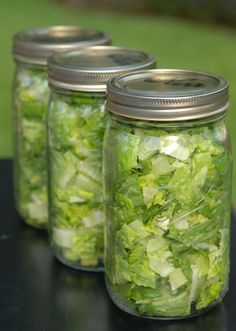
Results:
76 130
168 216
30 165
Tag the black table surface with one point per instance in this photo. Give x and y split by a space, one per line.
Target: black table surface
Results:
37 293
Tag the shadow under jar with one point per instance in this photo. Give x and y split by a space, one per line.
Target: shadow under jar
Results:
76 124
31 50
167 189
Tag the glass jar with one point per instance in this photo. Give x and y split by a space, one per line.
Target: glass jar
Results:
30 98
76 122
167 187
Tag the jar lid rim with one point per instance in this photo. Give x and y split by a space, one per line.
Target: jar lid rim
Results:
91 68
167 95
34 46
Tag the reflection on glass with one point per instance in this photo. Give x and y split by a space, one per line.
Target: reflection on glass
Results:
80 299
214 320
34 276
59 298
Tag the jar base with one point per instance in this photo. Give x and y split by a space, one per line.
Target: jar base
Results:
76 266
34 225
132 311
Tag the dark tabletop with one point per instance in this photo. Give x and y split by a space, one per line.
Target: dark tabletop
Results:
37 293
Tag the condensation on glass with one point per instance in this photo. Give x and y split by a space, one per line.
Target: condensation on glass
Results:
167 188
30 98
76 123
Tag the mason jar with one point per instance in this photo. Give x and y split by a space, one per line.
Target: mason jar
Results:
30 97
167 188
76 121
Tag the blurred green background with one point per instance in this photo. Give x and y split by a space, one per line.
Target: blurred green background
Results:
176 42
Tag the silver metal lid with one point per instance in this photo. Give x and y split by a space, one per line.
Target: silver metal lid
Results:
91 68
36 45
167 95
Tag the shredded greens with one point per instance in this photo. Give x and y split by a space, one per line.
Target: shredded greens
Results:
167 196
30 102
76 129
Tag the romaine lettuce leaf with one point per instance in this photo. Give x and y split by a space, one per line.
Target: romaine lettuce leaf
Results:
170 216
76 130
30 165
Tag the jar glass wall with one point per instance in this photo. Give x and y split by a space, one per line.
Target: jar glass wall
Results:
31 94
76 123
31 50
167 196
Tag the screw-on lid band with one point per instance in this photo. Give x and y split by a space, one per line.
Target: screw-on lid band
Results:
167 95
36 45
91 68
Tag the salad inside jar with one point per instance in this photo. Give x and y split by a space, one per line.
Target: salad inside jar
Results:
167 216
30 102
76 129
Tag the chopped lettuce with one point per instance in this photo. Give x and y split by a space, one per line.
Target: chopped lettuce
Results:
167 212
76 129
31 96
